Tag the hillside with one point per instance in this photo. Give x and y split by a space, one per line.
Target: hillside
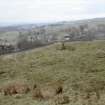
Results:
81 67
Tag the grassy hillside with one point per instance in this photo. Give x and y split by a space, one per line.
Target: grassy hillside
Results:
81 66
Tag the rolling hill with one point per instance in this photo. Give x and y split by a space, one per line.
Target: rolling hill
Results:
81 67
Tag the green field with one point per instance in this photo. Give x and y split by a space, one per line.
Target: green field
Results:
81 67
10 36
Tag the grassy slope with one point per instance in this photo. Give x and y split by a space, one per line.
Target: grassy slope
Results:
85 63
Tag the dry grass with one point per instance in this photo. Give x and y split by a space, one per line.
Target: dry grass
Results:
47 91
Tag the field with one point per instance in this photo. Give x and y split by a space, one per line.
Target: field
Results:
10 36
81 67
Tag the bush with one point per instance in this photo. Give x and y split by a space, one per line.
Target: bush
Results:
63 46
100 54
70 48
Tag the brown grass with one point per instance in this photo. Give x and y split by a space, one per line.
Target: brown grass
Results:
61 99
15 88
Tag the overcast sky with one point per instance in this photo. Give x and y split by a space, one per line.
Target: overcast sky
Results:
50 10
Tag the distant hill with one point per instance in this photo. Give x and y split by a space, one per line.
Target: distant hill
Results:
14 27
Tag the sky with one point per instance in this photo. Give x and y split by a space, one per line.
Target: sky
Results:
50 10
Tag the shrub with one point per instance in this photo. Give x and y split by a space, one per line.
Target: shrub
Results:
15 88
100 54
47 91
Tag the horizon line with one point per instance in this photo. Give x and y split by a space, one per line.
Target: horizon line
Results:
10 23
